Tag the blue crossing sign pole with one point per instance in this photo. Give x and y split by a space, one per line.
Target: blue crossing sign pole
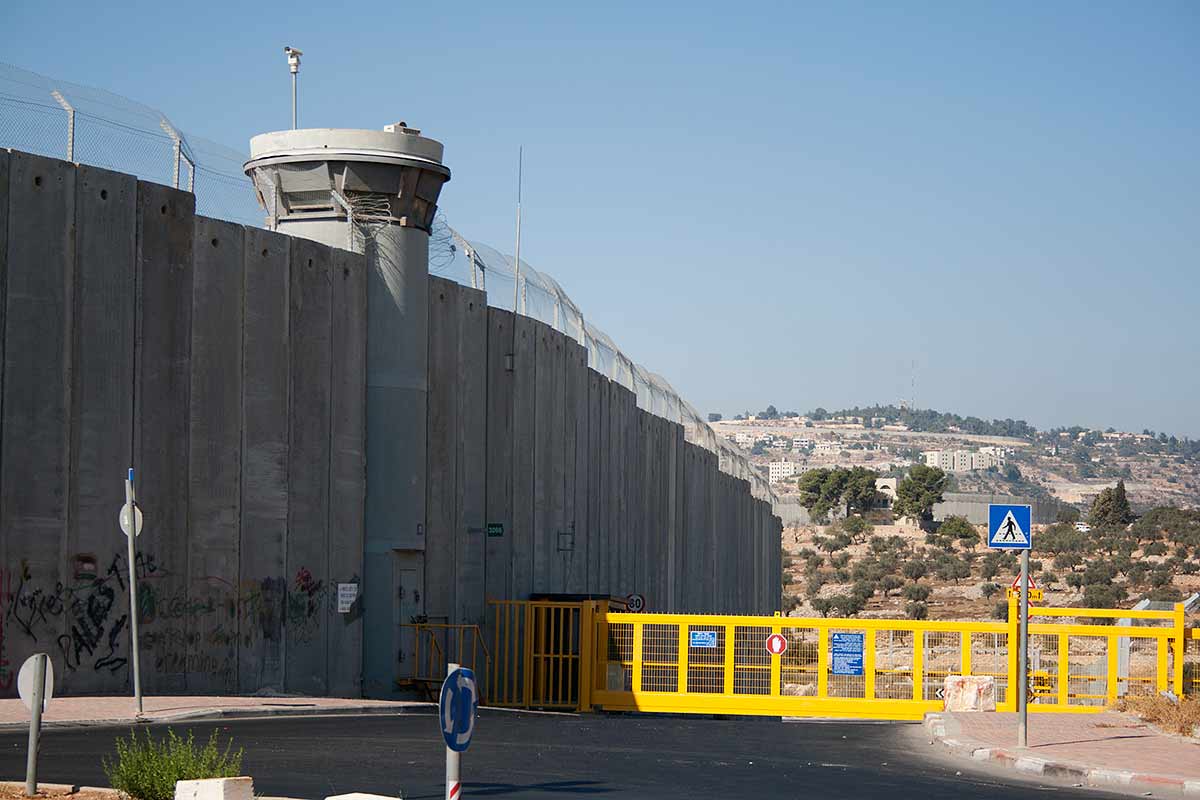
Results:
1010 527
457 707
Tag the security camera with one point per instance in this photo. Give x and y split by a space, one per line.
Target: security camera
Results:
293 56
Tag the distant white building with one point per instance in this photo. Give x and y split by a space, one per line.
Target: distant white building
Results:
799 442
778 470
744 439
942 459
965 460
827 448
886 487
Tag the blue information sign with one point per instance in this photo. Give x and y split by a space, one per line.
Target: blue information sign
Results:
703 639
456 709
1009 527
847 652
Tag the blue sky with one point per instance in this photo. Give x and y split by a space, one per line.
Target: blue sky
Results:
766 203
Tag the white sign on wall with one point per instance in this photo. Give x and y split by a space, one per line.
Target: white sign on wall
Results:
347 594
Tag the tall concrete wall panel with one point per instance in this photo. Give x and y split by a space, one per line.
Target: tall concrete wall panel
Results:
471 541
441 506
524 441
499 459
310 296
214 480
104 305
35 456
266 366
161 428
549 460
347 471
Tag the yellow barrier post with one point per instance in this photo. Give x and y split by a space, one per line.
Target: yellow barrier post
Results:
730 631
587 633
822 661
637 656
869 664
1014 635
1160 678
1113 654
776 663
1064 669
918 676
681 670
965 659
527 657
1179 648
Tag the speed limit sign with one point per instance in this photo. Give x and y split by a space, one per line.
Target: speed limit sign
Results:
635 603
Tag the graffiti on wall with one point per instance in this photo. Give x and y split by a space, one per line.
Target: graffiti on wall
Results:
195 626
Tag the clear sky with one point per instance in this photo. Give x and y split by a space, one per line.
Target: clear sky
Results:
781 203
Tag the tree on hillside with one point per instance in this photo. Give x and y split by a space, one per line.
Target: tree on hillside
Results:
916 494
1111 507
959 528
860 493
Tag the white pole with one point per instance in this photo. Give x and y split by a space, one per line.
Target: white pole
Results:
295 76
453 786
35 724
1023 666
131 501
517 256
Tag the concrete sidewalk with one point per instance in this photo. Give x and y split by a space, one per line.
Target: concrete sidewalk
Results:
1103 750
73 711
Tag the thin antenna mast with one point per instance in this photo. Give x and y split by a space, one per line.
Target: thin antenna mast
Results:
517 256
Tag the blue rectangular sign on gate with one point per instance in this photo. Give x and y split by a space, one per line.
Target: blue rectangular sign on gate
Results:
847 652
703 638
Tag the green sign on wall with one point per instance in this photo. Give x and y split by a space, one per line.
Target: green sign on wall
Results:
495 529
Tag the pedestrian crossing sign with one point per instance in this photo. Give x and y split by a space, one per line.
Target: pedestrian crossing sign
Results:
1009 527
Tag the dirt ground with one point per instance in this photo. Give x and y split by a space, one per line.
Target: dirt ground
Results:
14 790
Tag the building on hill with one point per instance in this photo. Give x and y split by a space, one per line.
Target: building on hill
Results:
779 470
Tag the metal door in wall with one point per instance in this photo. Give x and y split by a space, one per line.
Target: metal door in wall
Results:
408 603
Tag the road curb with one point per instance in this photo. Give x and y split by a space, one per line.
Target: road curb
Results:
946 731
207 714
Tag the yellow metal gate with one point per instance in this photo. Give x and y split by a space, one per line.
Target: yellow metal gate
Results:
543 653
720 664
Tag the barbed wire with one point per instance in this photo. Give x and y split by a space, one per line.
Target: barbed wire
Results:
60 119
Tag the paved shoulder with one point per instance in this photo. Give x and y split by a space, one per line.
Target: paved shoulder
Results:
1102 750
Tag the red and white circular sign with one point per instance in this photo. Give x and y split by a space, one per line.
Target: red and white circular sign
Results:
776 644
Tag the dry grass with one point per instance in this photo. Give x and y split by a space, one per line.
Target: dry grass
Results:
1182 717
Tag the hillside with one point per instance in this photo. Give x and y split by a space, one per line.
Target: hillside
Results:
855 568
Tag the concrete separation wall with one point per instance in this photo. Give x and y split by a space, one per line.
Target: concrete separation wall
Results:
584 493
225 364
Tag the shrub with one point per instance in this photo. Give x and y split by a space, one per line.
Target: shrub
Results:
916 610
146 769
1000 610
916 592
988 589
1155 549
915 569
1175 716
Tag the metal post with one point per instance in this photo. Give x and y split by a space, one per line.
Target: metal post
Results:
1023 659
62 101
453 787
191 174
133 605
295 77
35 724
517 255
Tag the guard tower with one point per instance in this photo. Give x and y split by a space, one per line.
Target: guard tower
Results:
374 192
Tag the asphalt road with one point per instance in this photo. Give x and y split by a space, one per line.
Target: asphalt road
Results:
563 756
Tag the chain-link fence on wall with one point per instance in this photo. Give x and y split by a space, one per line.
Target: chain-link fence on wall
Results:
60 119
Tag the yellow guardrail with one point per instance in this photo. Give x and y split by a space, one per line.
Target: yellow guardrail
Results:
433 645
580 655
